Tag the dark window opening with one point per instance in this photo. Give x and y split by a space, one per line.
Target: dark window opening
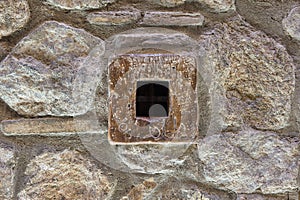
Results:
152 99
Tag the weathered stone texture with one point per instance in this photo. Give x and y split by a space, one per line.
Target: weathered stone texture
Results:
114 18
38 77
254 74
64 175
250 160
173 189
218 5
169 3
172 19
142 190
79 4
7 164
152 158
263 197
291 24
13 16
215 6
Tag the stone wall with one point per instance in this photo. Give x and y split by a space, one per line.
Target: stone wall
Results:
54 106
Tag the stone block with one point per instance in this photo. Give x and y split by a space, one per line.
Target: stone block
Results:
253 76
79 4
65 175
113 18
49 72
13 16
172 19
214 6
250 160
48 127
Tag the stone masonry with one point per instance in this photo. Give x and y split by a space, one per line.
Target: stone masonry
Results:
222 81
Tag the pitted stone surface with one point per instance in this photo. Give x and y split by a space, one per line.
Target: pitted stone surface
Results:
250 160
254 76
64 175
214 5
291 24
13 16
7 164
39 76
79 4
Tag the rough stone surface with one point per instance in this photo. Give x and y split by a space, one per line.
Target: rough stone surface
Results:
250 160
7 164
79 4
152 158
172 19
13 16
5 48
114 18
64 175
39 76
215 6
253 74
173 189
6 112
142 190
291 24
169 3
263 197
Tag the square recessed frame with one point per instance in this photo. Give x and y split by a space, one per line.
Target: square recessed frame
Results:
152 99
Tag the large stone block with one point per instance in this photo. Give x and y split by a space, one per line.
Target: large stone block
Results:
49 72
253 75
251 160
7 172
64 175
13 16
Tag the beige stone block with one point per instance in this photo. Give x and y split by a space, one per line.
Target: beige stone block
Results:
114 18
172 19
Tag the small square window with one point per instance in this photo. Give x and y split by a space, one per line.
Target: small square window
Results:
152 99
